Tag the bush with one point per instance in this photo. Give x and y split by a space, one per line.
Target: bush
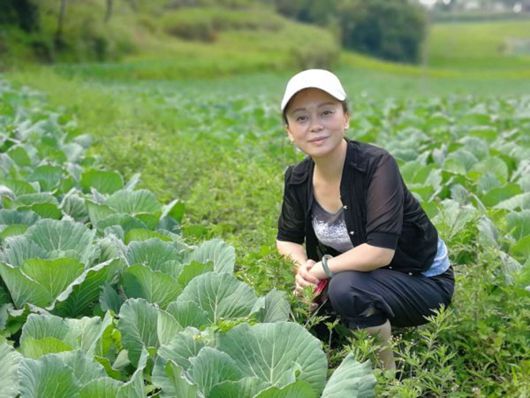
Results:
193 25
388 29
204 24
29 32
392 30
319 55
42 48
22 13
233 4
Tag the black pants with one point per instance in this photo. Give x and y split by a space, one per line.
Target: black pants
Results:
364 299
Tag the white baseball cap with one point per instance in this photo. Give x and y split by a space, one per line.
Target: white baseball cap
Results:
313 78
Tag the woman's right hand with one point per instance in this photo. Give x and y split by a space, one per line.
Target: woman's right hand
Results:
303 278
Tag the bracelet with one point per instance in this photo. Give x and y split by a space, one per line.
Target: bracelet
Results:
325 266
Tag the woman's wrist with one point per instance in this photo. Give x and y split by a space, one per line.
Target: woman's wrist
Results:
318 271
325 265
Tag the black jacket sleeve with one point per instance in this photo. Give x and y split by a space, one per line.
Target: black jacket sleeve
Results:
385 201
291 224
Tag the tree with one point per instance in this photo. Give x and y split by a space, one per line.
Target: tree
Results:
389 29
108 12
392 30
23 13
60 23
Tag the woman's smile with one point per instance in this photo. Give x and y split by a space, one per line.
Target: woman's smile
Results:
318 140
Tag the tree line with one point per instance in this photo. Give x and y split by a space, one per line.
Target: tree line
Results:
25 15
388 29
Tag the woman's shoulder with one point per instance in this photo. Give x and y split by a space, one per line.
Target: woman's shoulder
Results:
299 172
367 149
365 155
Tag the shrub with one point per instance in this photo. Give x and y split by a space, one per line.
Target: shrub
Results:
194 24
391 30
204 24
22 13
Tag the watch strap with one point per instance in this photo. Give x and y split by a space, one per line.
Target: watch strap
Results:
325 265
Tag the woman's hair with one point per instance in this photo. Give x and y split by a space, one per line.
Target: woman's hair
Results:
345 108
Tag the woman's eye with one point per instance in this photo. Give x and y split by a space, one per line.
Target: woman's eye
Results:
301 118
327 112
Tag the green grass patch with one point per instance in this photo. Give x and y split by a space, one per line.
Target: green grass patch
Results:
496 46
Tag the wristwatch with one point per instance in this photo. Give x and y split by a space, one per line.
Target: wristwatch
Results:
325 266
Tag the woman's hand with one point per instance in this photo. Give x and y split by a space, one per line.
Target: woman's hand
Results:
304 277
318 271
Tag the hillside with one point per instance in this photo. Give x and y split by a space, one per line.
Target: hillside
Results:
161 43
151 41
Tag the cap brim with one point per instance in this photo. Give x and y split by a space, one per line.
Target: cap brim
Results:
338 94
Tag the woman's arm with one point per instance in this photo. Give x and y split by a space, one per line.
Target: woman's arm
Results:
296 253
362 258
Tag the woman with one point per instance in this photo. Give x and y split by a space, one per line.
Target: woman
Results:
362 229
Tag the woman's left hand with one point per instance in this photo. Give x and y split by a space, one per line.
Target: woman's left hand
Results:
317 271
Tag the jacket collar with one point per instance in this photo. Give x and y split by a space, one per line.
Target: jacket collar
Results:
354 158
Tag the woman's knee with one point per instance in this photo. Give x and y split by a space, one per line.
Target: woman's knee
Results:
345 291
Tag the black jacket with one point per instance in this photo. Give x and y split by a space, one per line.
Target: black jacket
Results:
379 209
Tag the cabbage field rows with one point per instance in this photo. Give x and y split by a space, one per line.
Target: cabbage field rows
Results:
465 157
101 297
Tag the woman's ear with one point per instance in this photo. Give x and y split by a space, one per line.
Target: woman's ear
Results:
347 122
291 138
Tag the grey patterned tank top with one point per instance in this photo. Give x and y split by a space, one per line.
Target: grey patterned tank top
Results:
330 228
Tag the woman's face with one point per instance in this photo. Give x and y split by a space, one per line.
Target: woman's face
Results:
316 122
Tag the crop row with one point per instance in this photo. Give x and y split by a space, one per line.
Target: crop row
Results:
100 295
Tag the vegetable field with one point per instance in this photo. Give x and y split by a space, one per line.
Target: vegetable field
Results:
110 288
100 292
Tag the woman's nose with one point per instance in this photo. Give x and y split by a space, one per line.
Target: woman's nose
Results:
315 124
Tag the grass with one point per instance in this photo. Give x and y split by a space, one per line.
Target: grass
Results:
490 46
461 52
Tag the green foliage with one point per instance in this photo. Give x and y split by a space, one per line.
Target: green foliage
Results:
140 30
22 13
392 30
156 308
84 34
206 23
461 154
9 381
454 152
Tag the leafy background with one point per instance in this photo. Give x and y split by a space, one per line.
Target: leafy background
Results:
102 297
